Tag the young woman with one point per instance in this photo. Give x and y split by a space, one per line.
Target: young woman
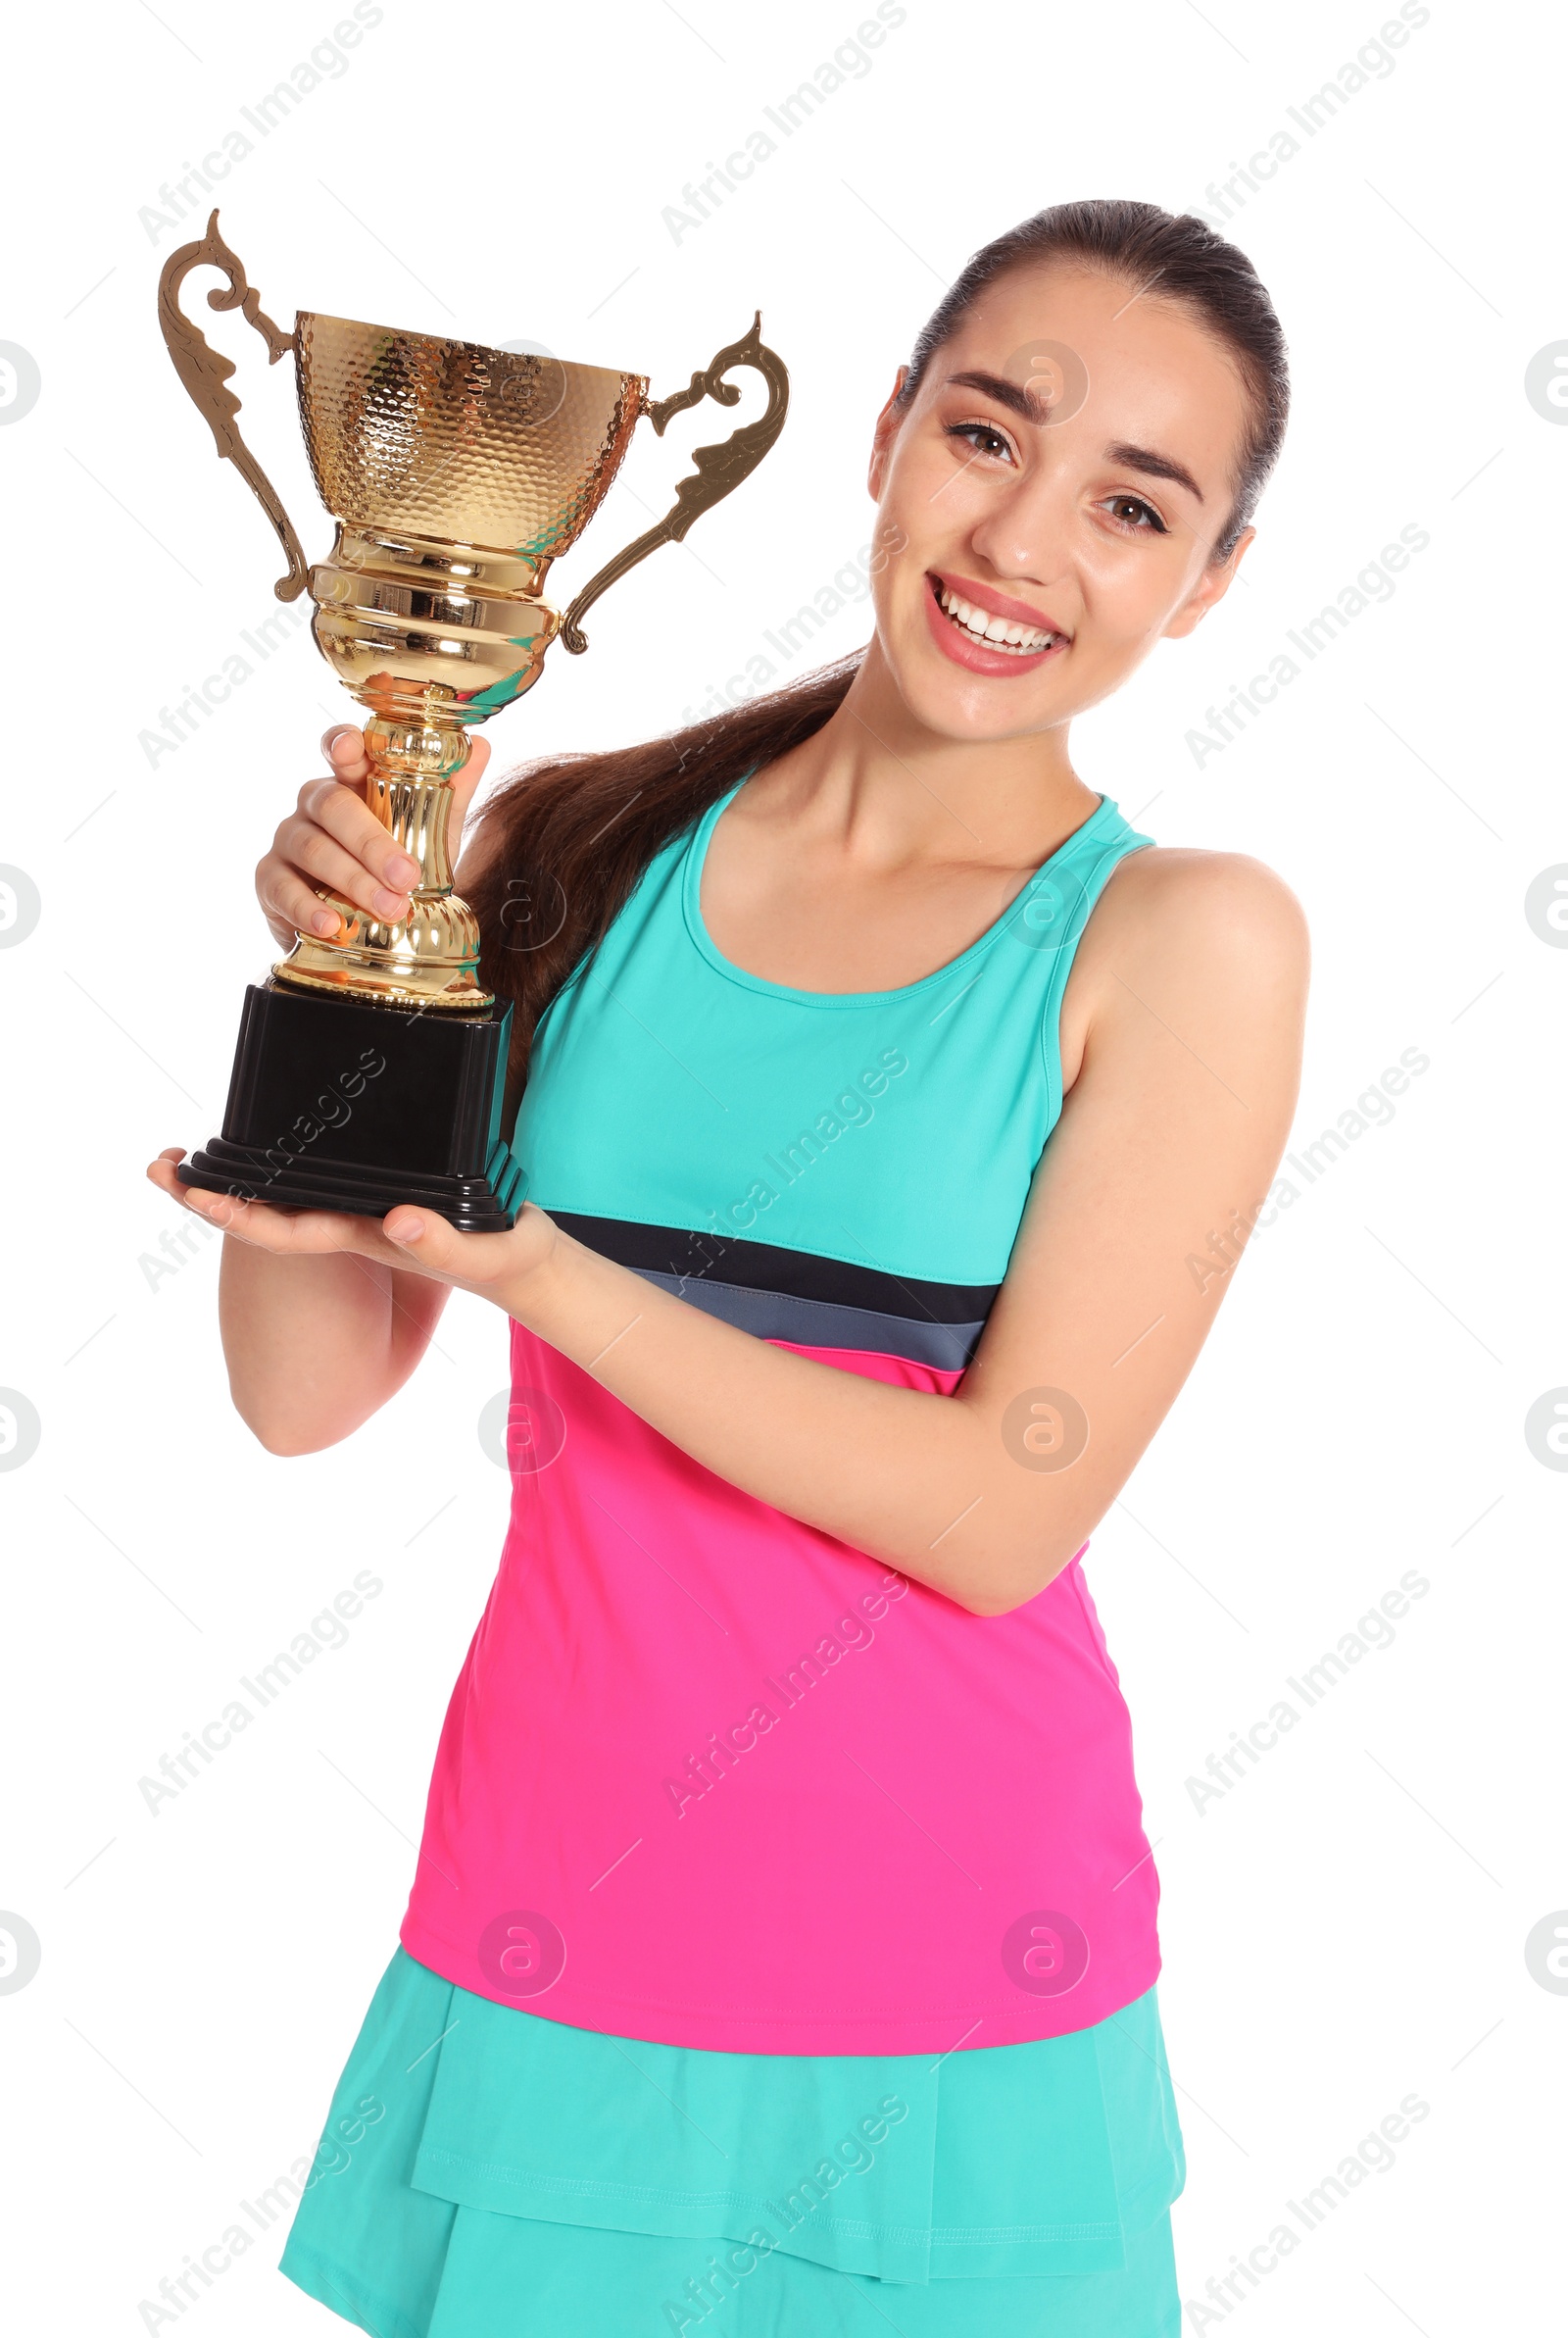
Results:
782 1946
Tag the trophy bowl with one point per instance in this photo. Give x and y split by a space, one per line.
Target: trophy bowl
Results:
455 474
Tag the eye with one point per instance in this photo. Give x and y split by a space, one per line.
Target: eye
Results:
1132 515
984 438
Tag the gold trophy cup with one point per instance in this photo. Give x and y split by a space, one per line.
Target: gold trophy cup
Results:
370 1066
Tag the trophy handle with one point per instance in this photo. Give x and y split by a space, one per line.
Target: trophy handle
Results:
205 371
719 468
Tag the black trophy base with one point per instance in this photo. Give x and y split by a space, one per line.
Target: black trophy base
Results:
335 1104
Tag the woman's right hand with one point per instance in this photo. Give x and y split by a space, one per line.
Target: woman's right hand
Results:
332 839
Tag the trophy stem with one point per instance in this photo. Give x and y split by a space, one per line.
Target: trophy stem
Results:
410 791
430 957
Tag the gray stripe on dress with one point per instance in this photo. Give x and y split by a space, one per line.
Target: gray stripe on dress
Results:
814 1324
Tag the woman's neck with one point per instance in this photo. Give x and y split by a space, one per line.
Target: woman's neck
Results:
892 793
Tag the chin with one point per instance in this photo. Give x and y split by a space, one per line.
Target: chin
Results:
953 705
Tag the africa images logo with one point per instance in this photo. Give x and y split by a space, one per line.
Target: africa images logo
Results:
521 1954
1045 1953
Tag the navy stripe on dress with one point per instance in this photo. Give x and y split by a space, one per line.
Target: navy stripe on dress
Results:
796 1295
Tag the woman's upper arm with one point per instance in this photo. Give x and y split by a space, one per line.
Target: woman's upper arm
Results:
1167 1142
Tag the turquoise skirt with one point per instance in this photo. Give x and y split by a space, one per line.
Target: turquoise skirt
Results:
487 2173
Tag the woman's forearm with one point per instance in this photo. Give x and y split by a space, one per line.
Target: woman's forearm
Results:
920 1480
314 1345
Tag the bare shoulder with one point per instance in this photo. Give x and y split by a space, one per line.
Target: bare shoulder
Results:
1181 913
1208 943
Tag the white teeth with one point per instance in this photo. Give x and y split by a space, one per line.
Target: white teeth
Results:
998 633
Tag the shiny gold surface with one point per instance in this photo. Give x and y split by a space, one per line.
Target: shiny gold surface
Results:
719 468
461 443
455 473
428 958
205 371
419 630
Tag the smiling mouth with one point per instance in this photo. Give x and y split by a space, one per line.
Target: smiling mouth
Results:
997 632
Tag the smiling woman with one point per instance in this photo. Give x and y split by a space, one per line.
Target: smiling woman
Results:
797 1377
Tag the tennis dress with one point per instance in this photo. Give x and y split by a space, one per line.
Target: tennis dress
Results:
782 1945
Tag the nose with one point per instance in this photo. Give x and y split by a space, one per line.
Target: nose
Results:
1025 533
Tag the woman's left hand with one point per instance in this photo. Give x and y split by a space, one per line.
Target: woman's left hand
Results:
418 1240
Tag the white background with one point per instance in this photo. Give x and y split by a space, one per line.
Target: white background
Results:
1347 1925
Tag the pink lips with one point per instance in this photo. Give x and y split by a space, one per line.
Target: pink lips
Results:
956 642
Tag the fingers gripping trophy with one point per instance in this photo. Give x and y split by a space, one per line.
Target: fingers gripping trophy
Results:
370 1065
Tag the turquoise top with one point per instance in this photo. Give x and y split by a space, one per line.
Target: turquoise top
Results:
741 1057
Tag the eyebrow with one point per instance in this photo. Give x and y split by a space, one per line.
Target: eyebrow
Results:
1023 401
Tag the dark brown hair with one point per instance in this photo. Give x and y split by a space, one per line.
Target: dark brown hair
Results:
563 842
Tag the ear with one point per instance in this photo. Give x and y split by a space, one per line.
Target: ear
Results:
1215 583
887 431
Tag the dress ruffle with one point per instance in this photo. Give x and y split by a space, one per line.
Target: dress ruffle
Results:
488 2174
